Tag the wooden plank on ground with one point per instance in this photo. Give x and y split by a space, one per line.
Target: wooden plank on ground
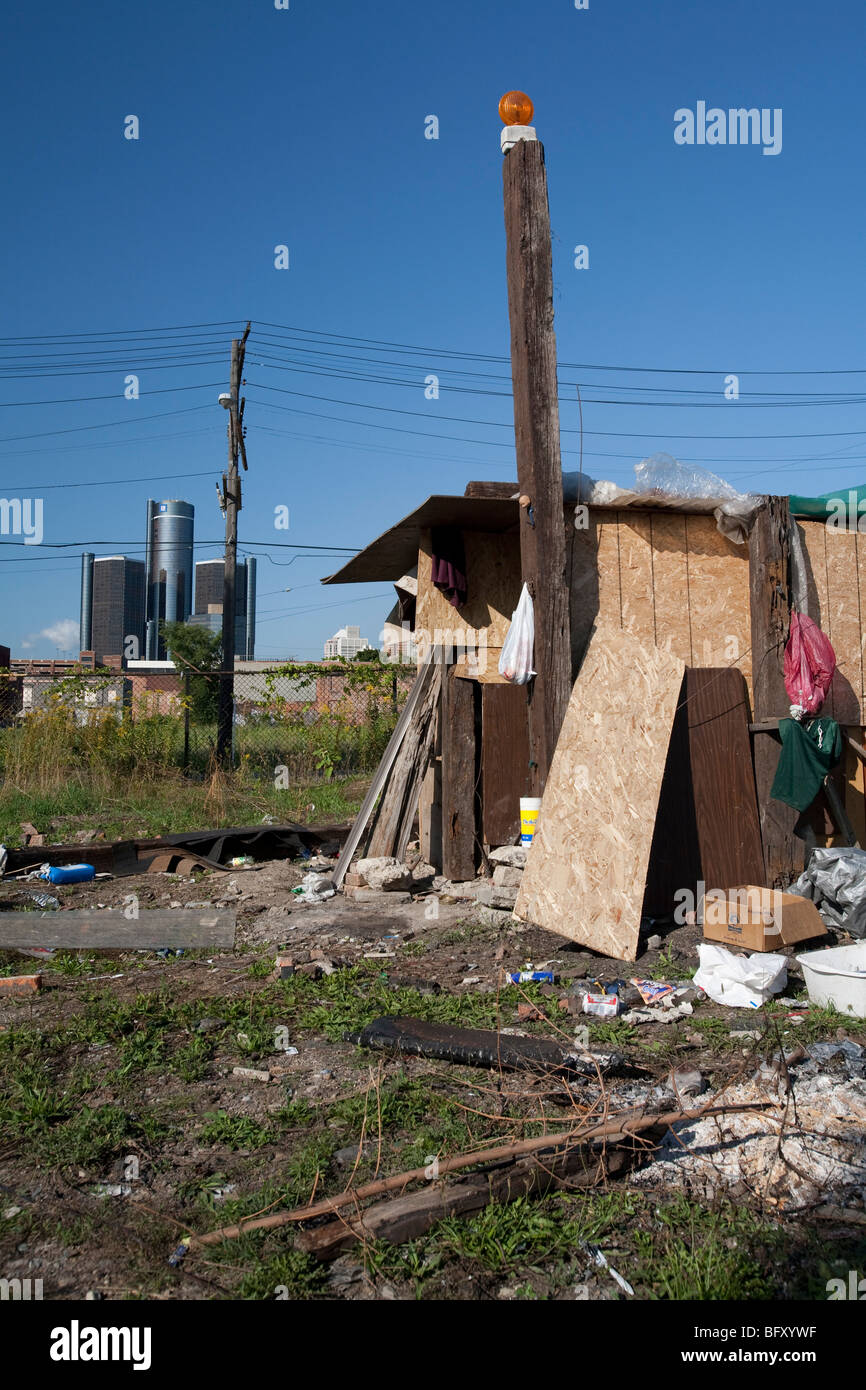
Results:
458 777
726 807
587 866
112 931
395 813
504 761
419 686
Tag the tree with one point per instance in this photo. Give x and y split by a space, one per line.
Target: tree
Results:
368 654
199 651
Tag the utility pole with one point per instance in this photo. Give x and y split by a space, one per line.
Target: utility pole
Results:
230 502
536 427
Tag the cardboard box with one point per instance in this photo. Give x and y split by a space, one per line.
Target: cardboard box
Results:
759 919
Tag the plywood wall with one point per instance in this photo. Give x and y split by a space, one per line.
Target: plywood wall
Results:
837 602
672 581
587 865
493 588
669 579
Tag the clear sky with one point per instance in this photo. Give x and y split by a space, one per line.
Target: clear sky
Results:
305 127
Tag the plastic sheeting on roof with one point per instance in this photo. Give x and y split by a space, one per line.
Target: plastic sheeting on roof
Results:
661 481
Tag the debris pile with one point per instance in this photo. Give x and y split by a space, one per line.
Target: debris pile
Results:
808 1148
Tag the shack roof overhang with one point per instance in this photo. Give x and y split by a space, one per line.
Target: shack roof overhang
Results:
394 553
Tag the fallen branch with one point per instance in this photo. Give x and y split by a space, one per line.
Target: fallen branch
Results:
629 1124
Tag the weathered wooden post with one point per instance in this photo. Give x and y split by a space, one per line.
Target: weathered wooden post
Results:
769 599
536 427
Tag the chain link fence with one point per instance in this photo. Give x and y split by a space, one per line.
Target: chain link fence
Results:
294 723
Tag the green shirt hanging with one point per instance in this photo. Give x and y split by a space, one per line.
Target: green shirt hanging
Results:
809 751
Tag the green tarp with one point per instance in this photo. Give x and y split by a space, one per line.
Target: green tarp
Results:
831 504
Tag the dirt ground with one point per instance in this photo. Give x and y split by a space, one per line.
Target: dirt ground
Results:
124 1127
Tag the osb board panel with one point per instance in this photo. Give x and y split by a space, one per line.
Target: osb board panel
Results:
718 597
492 582
671 585
608 560
636 575
814 534
861 589
843 623
587 866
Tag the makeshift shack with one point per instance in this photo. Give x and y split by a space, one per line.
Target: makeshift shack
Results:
659 572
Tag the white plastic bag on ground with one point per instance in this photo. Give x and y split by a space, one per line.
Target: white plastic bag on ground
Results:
515 661
314 888
741 982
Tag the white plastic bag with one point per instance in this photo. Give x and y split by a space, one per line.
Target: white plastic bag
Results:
515 661
738 981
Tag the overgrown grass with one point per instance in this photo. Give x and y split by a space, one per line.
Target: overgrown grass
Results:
124 805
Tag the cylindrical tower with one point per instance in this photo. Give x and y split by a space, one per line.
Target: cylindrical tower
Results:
171 550
85 634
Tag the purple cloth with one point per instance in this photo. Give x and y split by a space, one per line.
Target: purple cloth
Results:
449 563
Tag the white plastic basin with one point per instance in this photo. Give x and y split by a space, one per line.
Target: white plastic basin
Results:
837 977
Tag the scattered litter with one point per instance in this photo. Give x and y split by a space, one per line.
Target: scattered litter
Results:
652 992
219 1194
810 1146
737 981
251 1074
505 1050
754 1034
111 1189
654 943
836 883
686 1081
601 1005
67 873
240 861
852 1054
314 888
671 1015
601 1260
528 976
471 980
43 900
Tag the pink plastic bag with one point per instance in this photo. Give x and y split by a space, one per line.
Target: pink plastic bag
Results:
809 664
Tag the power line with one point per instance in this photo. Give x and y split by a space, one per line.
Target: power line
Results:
575 366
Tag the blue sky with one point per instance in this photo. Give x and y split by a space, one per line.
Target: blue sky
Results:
305 127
